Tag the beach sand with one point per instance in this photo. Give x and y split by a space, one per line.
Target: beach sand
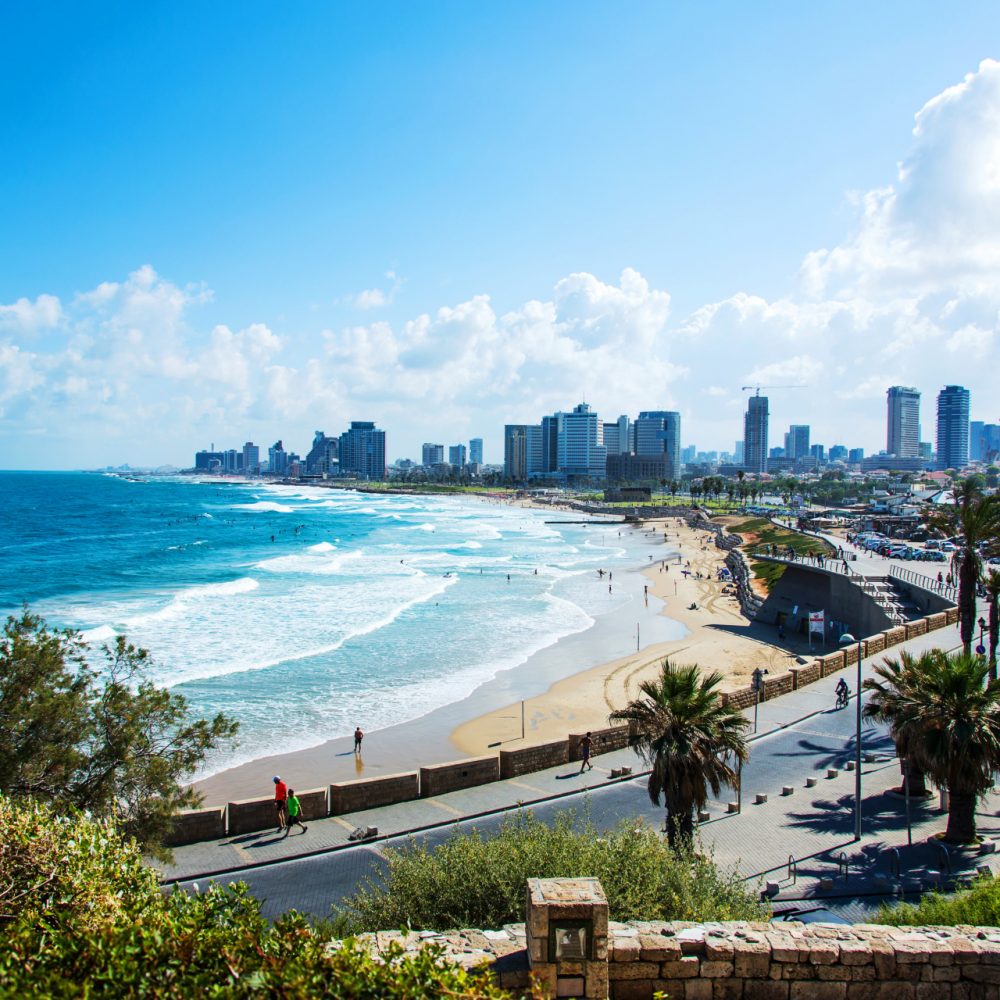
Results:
570 686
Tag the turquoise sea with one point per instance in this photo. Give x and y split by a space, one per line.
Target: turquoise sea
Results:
300 610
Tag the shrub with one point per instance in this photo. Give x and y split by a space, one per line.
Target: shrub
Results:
82 917
474 881
978 906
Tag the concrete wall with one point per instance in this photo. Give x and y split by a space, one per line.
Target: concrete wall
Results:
533 758
248 815
438 778
194 825
369 793
313 803
602 741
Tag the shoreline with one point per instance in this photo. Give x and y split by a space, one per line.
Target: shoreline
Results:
570 685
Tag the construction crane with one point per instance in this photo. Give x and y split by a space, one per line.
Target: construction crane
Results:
759 387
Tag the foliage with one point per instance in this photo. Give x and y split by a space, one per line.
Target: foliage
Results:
978 906
946 719
96 923
992 584
476 881
689 737
110 742
976 518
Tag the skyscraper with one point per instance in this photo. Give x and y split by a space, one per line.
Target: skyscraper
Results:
902 437
362 450
277 459
476 451
534 462
581 442
658 432
755 435
976 435
432 454
515 452
953 427
797 441
251 459
456 455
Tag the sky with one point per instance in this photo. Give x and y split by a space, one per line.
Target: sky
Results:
227 222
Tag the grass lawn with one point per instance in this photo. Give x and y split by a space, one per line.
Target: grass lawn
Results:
759 531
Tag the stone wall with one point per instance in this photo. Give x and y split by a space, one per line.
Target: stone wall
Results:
755 961
601 740
250 815
533 758
438 778
369 793
194 825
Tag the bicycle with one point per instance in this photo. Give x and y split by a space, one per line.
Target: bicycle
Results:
843 697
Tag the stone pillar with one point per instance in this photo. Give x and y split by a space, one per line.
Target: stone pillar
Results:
566 921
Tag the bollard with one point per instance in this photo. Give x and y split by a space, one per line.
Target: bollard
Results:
760 798
787 789
810 782
832 772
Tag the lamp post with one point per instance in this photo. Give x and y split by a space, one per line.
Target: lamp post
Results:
981 648
846 640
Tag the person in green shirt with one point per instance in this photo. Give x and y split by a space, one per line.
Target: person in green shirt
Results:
294 808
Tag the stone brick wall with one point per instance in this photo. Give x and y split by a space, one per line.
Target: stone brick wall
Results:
896 635
368 793
832 662
602 741
249 815
807 674
774 687
875 644
313 802
918 627
755 961
533 758
438 778
939 620
952 616
194 825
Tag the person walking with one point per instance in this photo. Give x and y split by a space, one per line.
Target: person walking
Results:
358 737
281 802
585 745
294 809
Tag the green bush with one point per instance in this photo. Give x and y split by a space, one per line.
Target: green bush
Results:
82 917
978 906
474 881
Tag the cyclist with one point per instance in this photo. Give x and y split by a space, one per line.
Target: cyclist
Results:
843 693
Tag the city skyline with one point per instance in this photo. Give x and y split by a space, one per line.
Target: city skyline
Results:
392 225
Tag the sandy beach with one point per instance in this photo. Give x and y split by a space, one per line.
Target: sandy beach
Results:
570 686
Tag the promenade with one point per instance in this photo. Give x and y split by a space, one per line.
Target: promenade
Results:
799 736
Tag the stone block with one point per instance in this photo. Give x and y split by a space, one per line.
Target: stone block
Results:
716 970
625 949
436 779
818 991
369 793
683 968
633 970
810 782
760 798
698 989
250 815
658 948
719 948
635 989
787 789
193 825
313 802
537 757
752 959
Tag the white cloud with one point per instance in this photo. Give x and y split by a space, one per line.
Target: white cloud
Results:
25 316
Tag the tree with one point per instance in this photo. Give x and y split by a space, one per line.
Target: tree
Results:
108 741
977 519
689 737
992 582
947 720
889 690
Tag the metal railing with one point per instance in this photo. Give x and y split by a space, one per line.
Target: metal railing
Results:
945 589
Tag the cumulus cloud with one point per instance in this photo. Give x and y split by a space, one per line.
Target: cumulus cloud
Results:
25 316
377 298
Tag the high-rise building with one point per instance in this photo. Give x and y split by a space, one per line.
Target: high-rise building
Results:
550 444
457 455
251 459
688 454
580 443
738 455
515 452
991 443
838 453
953 427
976 440
902 421
855 456
476 451
323 455
277 459
658 432
755 435
818 452
534 462
362 450
797 441
617 436
431 454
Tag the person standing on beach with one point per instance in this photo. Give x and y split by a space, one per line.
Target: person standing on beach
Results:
281 802
585 745
358 737
294 808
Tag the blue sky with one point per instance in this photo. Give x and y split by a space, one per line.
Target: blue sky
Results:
225 221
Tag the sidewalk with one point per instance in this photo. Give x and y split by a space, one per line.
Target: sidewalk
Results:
797 733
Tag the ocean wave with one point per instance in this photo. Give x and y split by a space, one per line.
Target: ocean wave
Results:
322 547
264 506
314 562
197 596
103 633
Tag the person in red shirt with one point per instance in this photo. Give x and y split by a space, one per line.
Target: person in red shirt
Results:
281 802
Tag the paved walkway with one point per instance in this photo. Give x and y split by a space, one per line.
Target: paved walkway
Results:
798 736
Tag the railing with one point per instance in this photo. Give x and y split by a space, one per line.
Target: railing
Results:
948 590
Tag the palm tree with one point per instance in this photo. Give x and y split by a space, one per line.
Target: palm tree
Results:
977 518
992 582
889 689
947 721
689 737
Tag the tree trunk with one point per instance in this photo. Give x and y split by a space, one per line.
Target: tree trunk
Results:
961 818
913 780
967 580
994 635
680 825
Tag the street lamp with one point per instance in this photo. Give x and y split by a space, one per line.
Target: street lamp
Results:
981 648
846 640
757 682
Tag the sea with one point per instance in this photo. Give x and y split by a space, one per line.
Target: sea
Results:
299 610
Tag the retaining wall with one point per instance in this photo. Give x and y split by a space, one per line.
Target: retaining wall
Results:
438 778
249 815
369 793
534 758
314 803
601 741
194 825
